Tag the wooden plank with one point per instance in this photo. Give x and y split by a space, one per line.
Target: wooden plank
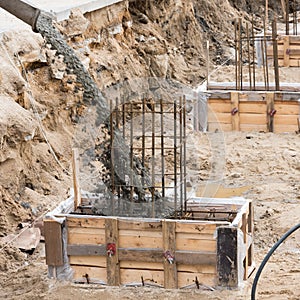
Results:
287 108
187 279
169 246
219 107
53 243
88 260
158 266
195 258
254 128
112 261
235 117
286 119
286 51
219 117
141 255
94 274
227 258
191 243
198 268
86 222
270 108
218 95
80 250
200 228
89 236
285 128
255 107
155 225
140 239
257 119
129 276
76 186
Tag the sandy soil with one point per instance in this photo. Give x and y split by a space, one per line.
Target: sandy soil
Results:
39 114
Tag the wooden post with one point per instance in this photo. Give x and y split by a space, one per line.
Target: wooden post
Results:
169 246
250 252
53 243
235 115
112 260
76 186
245 233
283 8
270 111
227 258
286 51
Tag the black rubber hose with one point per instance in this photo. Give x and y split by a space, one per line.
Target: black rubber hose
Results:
272 250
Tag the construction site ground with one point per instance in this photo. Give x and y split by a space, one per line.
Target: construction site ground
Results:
39 113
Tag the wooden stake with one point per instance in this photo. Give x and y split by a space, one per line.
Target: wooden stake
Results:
287 13
76 186
270 109
235 118
283 6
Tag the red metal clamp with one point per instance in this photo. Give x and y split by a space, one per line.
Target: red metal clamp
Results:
111 249
234 111
272 112
169 257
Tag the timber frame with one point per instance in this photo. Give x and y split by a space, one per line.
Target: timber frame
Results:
258 111
211 247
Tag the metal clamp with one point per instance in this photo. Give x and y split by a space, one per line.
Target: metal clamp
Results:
169 257
234 111
272 112
111 249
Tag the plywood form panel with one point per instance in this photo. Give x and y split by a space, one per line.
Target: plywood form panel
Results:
95 261
139 239
87 236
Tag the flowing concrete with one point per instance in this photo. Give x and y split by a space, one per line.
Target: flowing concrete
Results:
59 9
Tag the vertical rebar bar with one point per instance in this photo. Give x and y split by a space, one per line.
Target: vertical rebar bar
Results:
275 55
180 157
249 56
263 62
294 18
175 156
143 135
253 54
153 160
131 155
241 53
266 54
112 171
162 148
207 64
236 54
287 20
123 117
116 112
184 154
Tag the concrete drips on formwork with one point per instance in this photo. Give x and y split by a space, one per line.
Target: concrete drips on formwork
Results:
93 97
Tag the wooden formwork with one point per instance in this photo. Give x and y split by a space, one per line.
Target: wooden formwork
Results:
212 247
253 111
288 51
